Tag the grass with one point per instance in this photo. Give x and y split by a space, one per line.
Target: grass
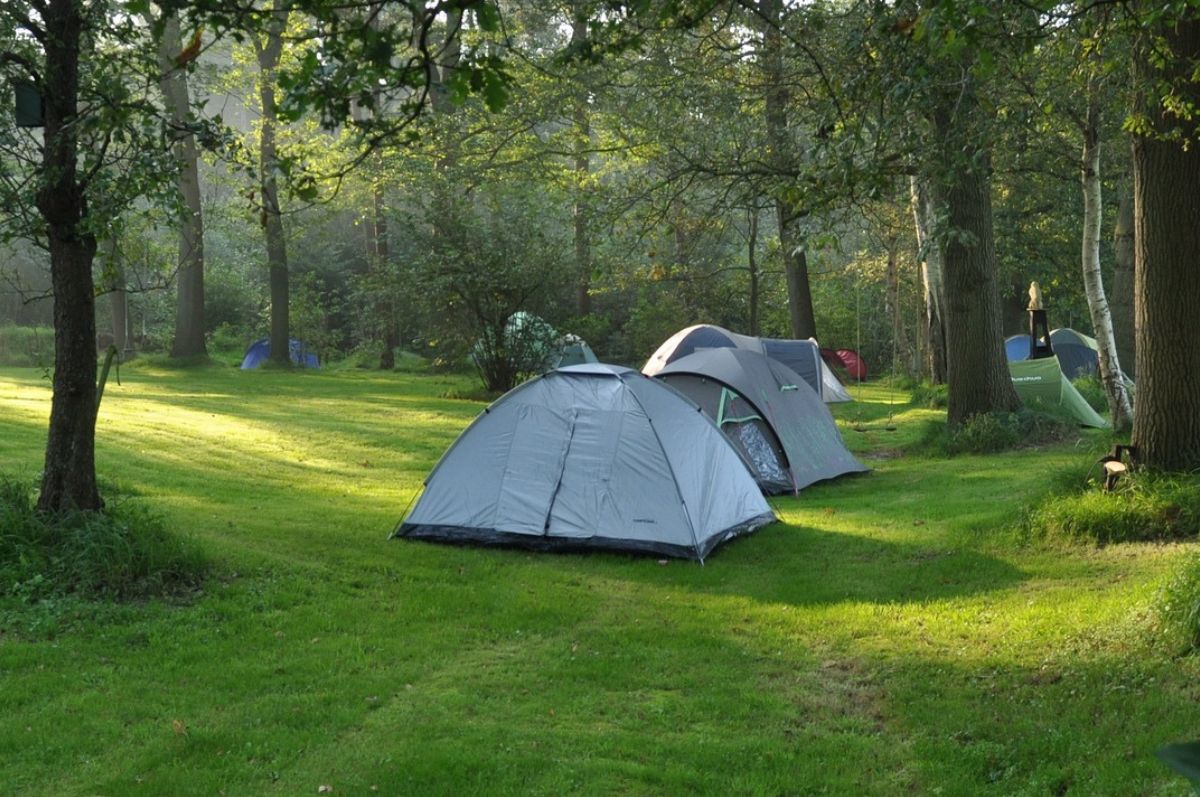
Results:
888 637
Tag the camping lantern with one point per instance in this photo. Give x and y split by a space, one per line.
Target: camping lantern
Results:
29 109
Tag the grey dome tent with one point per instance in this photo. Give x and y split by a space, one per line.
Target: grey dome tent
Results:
802 356
781 427
590 456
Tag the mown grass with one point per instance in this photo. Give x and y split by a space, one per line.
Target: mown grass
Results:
890 636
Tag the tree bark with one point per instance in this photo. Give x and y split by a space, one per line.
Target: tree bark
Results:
272 219
752 264
1121 303
933 275
69 475
1166 185
382 255
189 305
775 103
1119 407
583 168
118 299
976 366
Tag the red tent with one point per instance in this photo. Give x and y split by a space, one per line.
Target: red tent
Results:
848 360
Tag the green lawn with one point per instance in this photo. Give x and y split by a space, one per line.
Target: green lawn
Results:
888 637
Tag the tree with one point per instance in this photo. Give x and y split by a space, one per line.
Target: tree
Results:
1166 186
189 307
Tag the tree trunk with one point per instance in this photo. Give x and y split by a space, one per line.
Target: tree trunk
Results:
892 277
69 475
189 305
272 219
382 253
583 168
752 262
118 299
775 104
1121 304
976 367
1166 185
1093 283
932 279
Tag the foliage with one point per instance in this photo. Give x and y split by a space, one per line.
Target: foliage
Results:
992 432
120 553
928 395
1177 608
26 346
1092 390
1145 506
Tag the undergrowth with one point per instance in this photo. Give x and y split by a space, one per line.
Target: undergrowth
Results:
1177 608
988 433
1144 507
927 395
121 553
1092 390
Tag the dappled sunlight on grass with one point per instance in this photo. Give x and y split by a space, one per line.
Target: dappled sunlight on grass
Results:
888 636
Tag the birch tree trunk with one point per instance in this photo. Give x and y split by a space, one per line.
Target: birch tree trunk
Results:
1110 367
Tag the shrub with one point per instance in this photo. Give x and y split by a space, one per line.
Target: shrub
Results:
931 396
1145 506
988 433
120 553
1177 608
25 346
1092 390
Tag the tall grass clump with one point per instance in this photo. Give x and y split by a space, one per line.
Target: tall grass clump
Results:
26 346
929 395
121 553
1092 390
1144 507
992 432
1177 608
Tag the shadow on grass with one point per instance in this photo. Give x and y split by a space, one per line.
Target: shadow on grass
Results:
803 566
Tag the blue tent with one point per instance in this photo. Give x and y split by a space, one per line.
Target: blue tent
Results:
1017 348
260 351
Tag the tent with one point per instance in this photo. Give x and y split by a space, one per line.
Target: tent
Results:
1042 383
856 367
537 346
260 351
802 356
1077 353
590 456
780 426
573 350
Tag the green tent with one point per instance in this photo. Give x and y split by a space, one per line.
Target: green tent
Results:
1042 382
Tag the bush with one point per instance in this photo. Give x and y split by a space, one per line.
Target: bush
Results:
927 395
26 346
1177 608
1144 506
121 553
1092 390
988 433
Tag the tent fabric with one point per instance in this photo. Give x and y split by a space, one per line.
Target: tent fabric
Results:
573 350
1042 383
777 422
260 351
802 356
590 456
1016 348
856 367
1077 353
